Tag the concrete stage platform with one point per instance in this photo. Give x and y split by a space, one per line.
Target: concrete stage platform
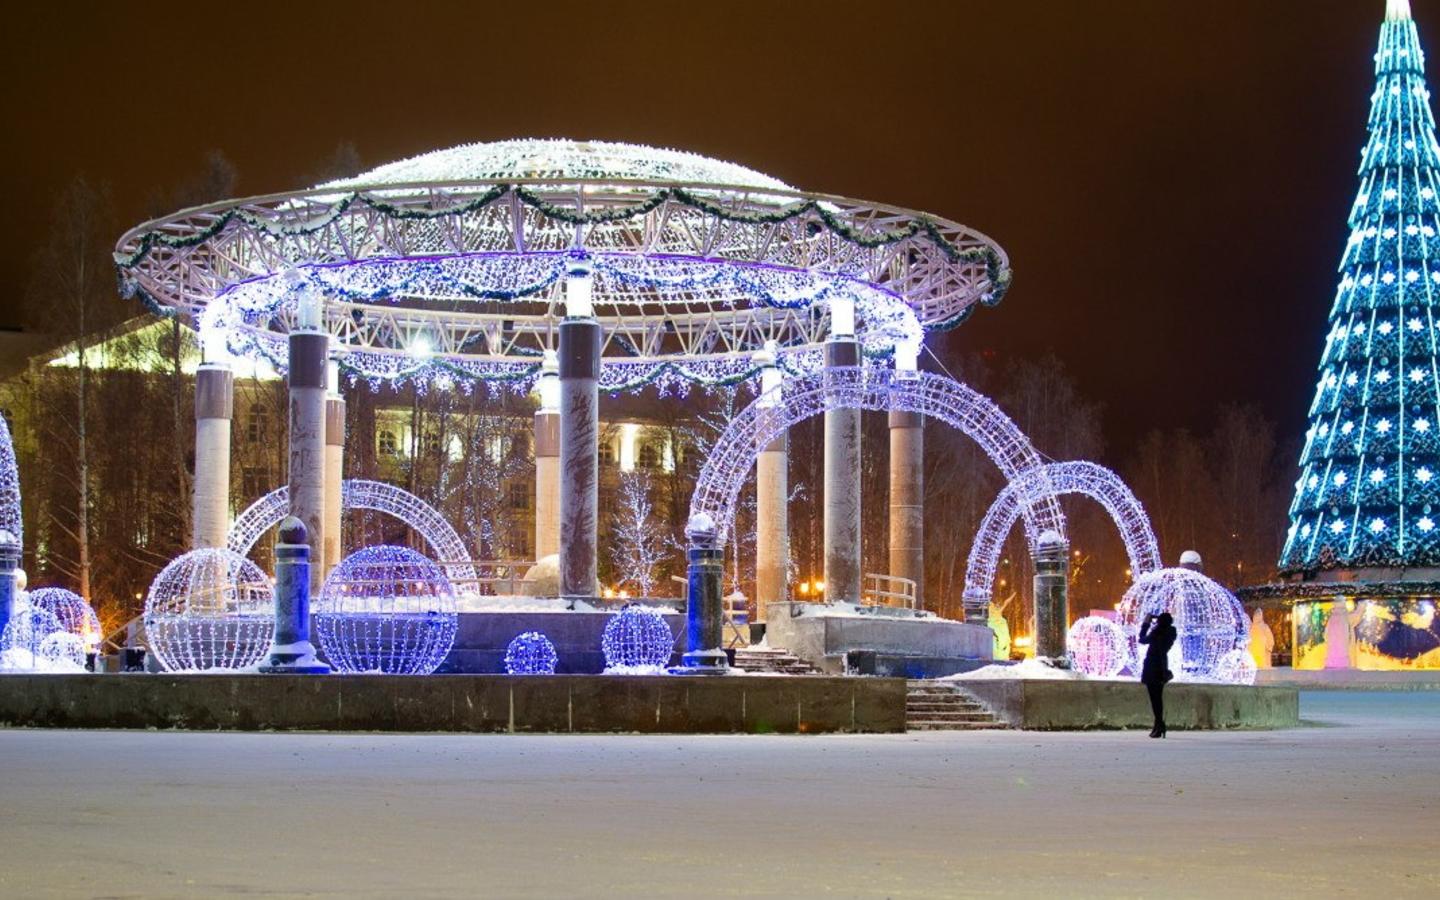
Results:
1351 679
457 703
888 642
481 638
1064 705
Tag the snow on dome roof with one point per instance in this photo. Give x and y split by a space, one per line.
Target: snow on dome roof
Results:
562 160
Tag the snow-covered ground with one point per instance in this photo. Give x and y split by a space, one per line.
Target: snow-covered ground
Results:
1349 805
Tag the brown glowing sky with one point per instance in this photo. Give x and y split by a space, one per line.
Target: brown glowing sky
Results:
1170 179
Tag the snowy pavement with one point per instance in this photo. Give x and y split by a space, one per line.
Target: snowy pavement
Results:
1349 805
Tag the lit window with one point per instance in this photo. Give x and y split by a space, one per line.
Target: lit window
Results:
387 444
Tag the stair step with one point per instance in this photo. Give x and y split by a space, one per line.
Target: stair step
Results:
931 706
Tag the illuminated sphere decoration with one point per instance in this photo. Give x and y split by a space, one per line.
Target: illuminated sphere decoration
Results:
210 609
531 653
1209 621
1098 647
75 615
1236 667
63 650
23 637
637 637
387 610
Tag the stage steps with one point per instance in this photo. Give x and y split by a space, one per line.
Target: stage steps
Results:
943 706
765 660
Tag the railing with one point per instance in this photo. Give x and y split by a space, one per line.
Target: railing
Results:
888 590
494 577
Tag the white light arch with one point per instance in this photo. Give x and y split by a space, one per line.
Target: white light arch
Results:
265 513
733 456
1078 477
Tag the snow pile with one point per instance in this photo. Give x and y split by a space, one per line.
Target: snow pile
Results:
1028 669
636 670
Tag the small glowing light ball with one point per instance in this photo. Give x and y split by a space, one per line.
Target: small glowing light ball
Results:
23 637
77 616
63 651
531 653
1098 647
210 608
637 637
1236 667
1209 621
387 609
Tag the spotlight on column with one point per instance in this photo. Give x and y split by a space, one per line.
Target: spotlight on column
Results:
550 382
420 347
215 345
842 318
578 289
332 376
907 357
309 311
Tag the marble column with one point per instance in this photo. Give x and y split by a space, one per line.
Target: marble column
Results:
579 440
308 352
907 504
334 481
547 461
772 496
214 410
842 485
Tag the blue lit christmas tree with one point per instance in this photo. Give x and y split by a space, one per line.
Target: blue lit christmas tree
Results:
1369 488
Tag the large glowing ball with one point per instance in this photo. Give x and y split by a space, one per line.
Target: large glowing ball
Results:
389 610
209 609
23 637
77 616
1209 621
1098 647
1236 667
637 637
531 653
63 651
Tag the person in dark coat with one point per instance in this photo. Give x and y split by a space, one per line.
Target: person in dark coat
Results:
1159 633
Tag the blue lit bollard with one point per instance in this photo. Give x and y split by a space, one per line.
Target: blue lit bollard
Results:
292 653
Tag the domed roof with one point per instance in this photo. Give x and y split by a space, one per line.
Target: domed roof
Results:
561 160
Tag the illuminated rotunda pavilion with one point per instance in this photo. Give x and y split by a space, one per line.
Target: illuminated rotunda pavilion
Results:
564 268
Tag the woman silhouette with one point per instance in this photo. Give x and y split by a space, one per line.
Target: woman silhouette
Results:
1159 633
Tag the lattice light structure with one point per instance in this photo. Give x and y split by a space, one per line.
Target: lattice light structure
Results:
531 653
733 456
444 541
637 637
75 615
460 274
1098 647
10 519
1368 493
24 636
210 609
1079 477
386 609
1209 620
1236 667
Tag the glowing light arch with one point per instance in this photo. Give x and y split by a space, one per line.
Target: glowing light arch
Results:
265 513
1078 477
877 389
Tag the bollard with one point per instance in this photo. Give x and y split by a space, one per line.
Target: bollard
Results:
9 559
704 606
1052 577
292 653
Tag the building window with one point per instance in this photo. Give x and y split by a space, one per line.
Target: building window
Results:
432 443
519 495
255 425
520 545
607 453
255 481
387 443
648 457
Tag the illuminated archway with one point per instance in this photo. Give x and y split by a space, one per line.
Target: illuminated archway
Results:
1079 477
265 513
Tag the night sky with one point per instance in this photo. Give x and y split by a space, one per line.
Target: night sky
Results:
1170 179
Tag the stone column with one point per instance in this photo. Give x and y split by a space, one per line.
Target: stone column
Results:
842 485
772 497
308 351
1052 581
547 461
579 439
907 504
291 652
334 480
9 560
214 410
704 601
